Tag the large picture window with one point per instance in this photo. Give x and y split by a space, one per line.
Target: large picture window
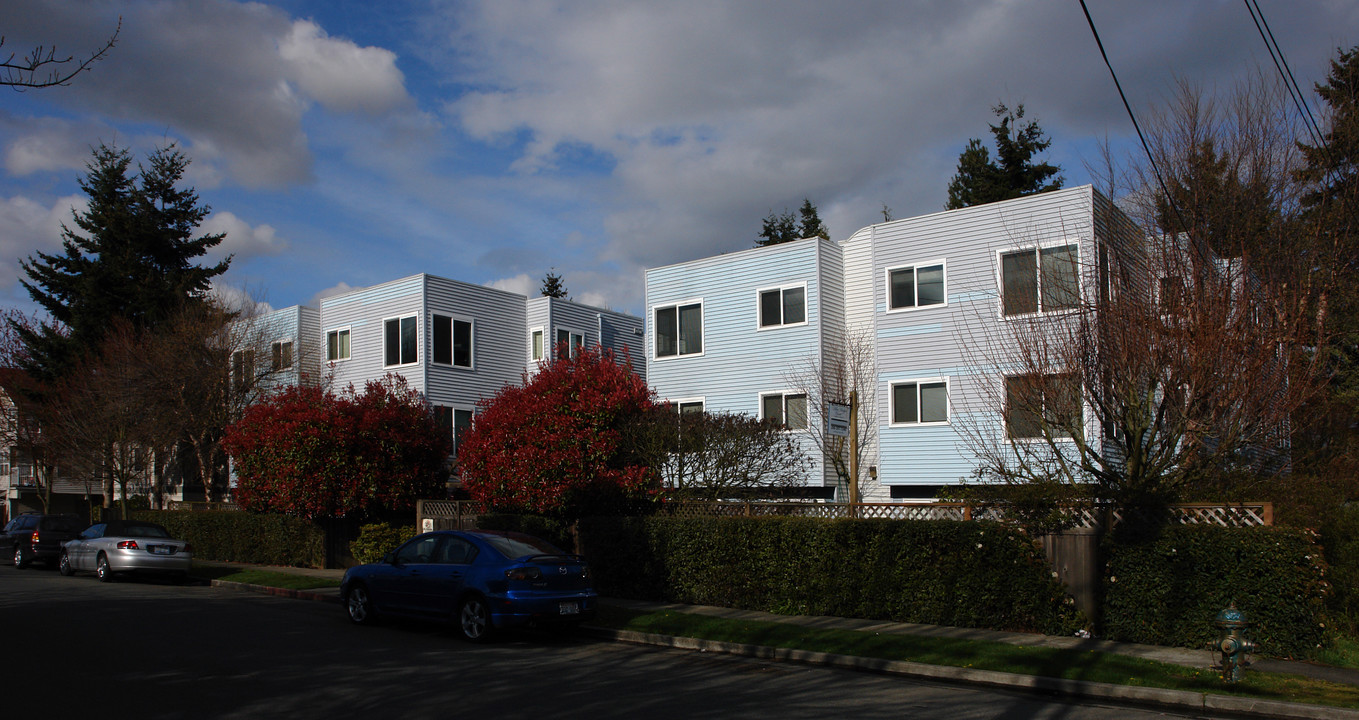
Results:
679 330
920 402
916 286
783 306
401 340
1038 280
452 341
1039 406
337 344
788 410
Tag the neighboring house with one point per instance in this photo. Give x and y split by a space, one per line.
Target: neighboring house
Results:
934 295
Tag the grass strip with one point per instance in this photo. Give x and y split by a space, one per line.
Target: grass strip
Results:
1092 666
255 576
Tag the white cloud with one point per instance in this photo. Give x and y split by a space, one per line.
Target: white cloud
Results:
521 283
30 228
241 240
336 289
341 75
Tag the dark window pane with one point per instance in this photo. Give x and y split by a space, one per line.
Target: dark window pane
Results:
904 403
773 408
462 424
797 411
691 329
931 285
794 306
443 339
1023 407
1060 286
667 332
1018 273
462 343
391 342
933 402
409 340
770 307
902 290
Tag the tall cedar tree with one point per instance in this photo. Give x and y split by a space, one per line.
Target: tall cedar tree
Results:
555 444
553 287
310 453
981 180
786 227
129 256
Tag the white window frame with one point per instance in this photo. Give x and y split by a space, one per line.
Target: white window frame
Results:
349 335
542 344
784 408
917 382
572 347
655 334
780 289
915 268
675 403
1038 278
453 411
399 319
453 321
292 354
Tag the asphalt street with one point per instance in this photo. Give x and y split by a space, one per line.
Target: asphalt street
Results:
76 648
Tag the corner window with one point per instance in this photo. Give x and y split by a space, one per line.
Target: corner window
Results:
283 355
400 338
788 410
573 341
452 341
1039 280
783 306
916 286
337 345
536 344
1035 403
679 330
920 402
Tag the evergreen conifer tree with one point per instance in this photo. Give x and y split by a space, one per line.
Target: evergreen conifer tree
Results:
982 180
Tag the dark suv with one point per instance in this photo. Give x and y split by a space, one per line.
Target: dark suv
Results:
32 536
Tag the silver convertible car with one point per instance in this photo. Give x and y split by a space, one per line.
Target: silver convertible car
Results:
124 547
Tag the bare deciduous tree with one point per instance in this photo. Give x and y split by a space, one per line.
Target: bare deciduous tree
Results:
844 372
41 68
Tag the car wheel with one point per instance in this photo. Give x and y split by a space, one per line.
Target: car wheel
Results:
102 569
64 565
359 605
474 618
20 556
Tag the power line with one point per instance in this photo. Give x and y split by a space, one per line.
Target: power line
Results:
1285 72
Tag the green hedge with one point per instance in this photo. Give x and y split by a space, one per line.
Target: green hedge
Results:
1166 589
938 572
237 536
1340 537
550 529
375 540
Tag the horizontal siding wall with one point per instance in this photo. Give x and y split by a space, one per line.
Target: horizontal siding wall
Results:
499 341
363 311
739 360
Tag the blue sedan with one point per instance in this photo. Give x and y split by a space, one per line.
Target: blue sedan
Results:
482 580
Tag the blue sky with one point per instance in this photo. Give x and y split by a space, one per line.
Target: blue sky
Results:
345 143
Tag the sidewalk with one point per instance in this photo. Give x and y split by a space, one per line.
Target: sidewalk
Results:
1215 704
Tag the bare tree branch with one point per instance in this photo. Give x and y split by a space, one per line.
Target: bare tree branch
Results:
41 68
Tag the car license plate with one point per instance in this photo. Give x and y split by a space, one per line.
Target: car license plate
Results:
570 608
162 550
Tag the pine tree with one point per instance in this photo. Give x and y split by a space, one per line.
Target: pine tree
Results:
982 180
787 227
553 287
129 256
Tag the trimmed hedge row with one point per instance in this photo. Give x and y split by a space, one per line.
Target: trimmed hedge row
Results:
1167 589
938 572
235 536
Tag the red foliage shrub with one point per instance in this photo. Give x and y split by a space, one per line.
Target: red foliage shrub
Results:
311 453
553 445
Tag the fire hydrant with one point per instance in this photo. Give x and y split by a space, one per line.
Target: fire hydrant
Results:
1232 642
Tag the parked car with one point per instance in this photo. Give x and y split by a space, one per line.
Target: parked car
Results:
34 537
125 546
480 580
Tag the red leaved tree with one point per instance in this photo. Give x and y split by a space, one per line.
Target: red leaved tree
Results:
311 453
555 445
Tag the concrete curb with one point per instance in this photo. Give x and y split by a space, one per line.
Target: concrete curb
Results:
280 592
1151 697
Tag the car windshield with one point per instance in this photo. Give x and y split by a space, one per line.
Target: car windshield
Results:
514 546
61 524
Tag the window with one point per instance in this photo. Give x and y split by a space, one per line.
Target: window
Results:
455 421
337 345
400 338
572 340
283 355
452 341
243 368
679 330
917 286
783 306
920 402
686 407
1037 280
787 410
536 344
1035 402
